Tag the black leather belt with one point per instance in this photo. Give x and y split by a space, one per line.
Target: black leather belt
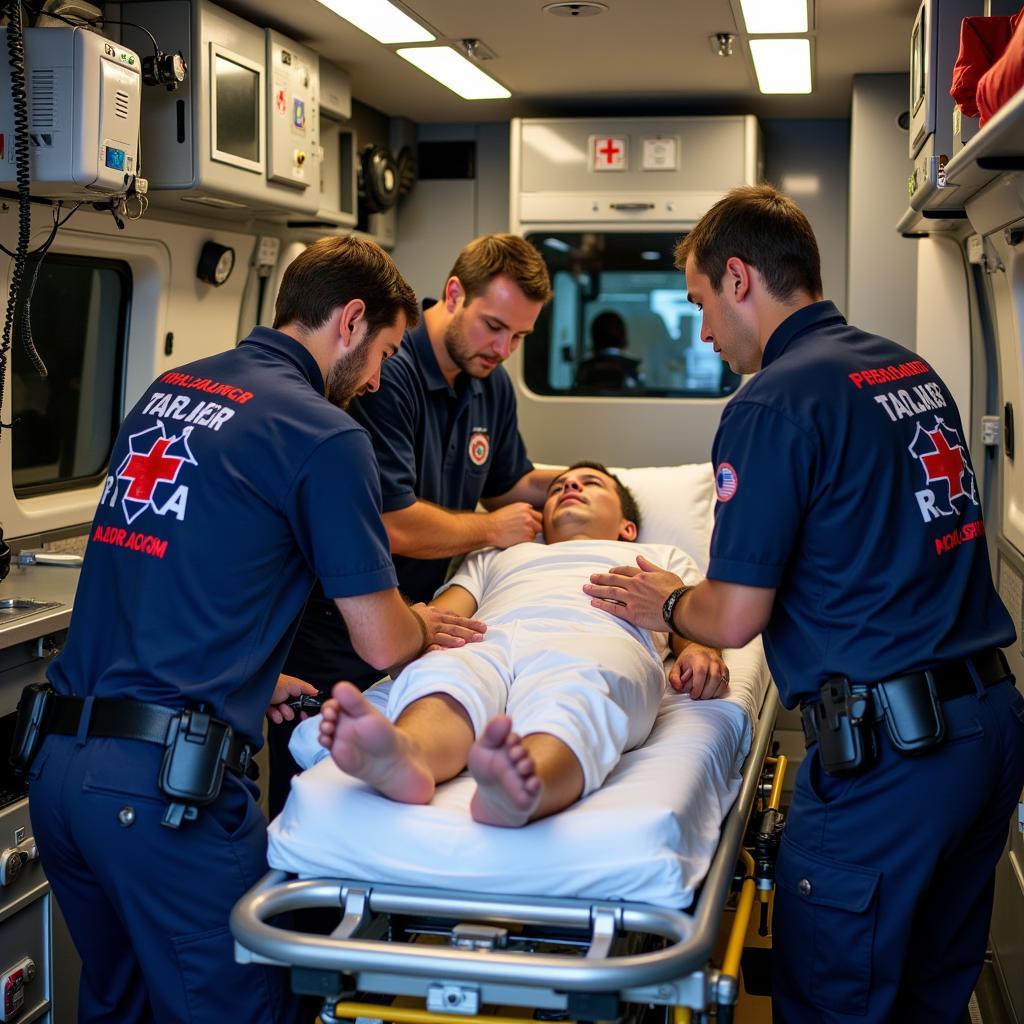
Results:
133 720
949 680
953 679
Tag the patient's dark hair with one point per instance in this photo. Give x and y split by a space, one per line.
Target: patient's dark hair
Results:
630 509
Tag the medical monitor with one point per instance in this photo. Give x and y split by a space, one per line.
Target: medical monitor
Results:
236 93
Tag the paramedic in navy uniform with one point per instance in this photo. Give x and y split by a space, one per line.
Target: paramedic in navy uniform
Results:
233 483
444 431
848 528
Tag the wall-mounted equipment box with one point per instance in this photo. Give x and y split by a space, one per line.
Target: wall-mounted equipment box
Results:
83 102
338 170
640 170
242 137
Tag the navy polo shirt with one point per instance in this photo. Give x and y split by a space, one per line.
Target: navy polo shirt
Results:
844 481
233 485
447 445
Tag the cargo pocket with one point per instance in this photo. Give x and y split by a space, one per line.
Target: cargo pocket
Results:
824 930
214 987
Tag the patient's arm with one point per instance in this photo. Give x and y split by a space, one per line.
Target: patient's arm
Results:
698 670
424 530
456 599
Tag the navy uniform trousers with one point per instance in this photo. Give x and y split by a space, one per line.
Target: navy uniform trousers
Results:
148 906
885 879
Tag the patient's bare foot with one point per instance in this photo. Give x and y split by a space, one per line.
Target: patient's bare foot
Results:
367 745
507 787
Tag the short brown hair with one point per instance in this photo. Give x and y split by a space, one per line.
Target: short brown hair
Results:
489 256
765 229
333 271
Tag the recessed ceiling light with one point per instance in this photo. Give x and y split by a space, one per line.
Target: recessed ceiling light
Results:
774 16
782 65
380 19
452 70
577 9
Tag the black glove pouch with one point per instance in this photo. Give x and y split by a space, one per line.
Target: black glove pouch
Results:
913 717
846 736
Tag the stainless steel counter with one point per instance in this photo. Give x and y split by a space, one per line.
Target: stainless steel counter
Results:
50 586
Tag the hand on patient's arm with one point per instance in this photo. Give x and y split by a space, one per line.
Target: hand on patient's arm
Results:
288 687
386 632
423 530
458 601
698 671
713 612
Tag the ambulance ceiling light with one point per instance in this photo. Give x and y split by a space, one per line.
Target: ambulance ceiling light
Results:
380 19
577 9
782 65
453 71
771 17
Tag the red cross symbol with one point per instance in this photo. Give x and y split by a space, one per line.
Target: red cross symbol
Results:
609 151
945 463
146 471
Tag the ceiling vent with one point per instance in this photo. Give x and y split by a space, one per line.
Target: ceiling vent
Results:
576 9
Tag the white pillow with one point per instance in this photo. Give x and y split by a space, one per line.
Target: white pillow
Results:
677 506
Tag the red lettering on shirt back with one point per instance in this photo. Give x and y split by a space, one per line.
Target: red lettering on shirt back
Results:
211 387
134 540
887 374
952 540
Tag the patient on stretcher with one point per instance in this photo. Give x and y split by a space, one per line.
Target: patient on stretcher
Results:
543 707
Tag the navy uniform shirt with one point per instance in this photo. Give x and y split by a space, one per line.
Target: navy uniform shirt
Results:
233 485
447 445
844 481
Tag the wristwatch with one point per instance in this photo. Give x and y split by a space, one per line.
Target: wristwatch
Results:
670 606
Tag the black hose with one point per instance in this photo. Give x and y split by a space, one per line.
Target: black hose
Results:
19 99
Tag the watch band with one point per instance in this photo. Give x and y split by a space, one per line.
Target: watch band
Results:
669 607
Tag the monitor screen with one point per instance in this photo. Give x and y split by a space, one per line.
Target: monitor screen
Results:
237 96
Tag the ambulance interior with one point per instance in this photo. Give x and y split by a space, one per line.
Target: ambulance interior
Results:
606 129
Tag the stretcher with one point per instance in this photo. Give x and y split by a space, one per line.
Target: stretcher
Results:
607 911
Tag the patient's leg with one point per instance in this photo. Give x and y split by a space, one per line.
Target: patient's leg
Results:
404 759
519 780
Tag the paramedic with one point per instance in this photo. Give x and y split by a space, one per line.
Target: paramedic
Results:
233 484
579 685
849 529
446 438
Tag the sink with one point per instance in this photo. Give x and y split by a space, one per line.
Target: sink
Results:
12 608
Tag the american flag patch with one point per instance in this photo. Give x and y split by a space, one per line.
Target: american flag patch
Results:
726 481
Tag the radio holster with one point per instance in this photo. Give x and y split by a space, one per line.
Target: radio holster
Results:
29 727
192 771
842 724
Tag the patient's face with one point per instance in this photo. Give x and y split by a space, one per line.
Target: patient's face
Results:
581 503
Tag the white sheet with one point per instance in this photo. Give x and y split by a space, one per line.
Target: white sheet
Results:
647 835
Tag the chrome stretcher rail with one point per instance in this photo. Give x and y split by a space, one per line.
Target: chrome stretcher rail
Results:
690 935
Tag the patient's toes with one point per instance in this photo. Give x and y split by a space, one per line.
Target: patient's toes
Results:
508 789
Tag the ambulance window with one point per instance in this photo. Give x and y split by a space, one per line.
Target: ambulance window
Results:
620 323
65 423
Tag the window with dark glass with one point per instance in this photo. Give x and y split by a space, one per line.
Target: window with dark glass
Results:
620 323
64 424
